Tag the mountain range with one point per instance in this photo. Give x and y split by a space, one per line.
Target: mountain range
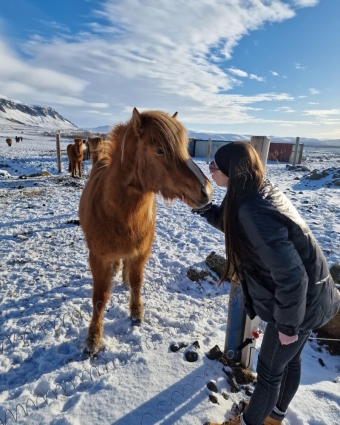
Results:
13 112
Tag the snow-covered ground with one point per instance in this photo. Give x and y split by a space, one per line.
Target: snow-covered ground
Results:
45 293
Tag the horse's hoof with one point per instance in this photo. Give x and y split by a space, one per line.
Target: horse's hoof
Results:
136 322
90 353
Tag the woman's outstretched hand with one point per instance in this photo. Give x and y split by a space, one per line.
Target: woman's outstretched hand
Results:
286 340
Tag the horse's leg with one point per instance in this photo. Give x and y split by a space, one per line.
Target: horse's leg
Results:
135 268
102 275
115 267
79 167
125 274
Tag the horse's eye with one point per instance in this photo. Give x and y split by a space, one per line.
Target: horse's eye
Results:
159 151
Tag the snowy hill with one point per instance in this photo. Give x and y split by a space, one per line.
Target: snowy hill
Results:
15 112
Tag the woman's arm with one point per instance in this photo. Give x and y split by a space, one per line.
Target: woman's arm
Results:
213 214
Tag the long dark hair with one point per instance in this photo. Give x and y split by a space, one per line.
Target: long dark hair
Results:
246 175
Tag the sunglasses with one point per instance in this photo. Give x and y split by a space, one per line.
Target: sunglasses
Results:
212 166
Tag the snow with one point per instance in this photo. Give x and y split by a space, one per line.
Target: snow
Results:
45 290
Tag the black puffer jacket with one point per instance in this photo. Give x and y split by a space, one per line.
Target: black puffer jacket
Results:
286 278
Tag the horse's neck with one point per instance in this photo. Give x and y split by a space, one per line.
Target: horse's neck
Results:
78 149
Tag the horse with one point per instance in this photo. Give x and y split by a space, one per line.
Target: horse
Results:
75 156
9 142
21 138
117 209
17 139
86 150
97 148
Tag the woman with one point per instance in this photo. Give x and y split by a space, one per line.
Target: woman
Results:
284 275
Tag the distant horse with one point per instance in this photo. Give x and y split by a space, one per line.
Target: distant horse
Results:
117 210
21 138
17 139
98 148
86 150
75 156
9 142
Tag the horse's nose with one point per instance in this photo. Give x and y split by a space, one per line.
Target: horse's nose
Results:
207 194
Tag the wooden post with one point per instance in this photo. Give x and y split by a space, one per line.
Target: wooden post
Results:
209 151
301 146
57 138
296 150
261 144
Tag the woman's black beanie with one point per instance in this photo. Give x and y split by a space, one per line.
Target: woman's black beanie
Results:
224 154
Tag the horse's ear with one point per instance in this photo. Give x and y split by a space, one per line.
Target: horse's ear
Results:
175 115
136 119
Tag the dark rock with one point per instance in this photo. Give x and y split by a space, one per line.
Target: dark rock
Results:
213 399
212 387
197 276
215 353
216 263
234 388
191 356
175 347
77 222
321 362
196 344
330 330
225 395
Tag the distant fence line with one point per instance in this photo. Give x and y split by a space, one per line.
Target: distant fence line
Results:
278 151
282 152
81 134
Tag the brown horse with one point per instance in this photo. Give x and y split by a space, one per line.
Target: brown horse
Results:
98 148
117 210
75 156
9 142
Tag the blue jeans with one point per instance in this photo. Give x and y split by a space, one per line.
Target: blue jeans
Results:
278 375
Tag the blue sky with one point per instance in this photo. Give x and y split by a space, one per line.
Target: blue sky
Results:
264 67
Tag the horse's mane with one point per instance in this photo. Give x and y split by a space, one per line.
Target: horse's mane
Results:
157 127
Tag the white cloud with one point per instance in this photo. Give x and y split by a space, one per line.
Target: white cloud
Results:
255 77
322 112
285 109
313 103
314 91
146 58
274 73
299 66
238 72
305 3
